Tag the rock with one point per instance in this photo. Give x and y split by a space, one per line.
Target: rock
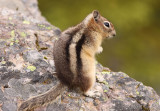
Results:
27 68
32 56
9 106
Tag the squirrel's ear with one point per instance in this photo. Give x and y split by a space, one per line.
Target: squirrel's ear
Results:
96 15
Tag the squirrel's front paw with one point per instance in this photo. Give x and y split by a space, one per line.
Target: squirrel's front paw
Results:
100 49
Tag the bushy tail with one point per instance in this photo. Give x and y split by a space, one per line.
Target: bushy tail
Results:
42 99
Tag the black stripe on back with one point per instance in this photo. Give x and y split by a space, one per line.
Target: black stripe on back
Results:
68 44
78 52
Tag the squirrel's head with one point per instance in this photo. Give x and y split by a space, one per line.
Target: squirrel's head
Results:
97 23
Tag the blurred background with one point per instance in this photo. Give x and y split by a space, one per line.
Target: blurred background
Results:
136 48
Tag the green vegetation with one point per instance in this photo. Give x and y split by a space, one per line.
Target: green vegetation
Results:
135 49
31 68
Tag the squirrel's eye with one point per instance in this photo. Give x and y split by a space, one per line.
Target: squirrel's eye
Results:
107 24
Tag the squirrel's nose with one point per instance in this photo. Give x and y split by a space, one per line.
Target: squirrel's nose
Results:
114 34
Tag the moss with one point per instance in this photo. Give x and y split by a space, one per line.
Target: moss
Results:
11 43
11 39
105 72
12 33
105 82
56 38
26 22
125 75
16 41
137 92
23 34
10 18
105 99
41 25
31 68
45 58
3 62
49 28
105 91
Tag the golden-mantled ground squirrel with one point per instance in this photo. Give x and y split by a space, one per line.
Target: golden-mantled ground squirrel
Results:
74 56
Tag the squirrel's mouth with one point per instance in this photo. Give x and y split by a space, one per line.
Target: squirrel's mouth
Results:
113 34
109 37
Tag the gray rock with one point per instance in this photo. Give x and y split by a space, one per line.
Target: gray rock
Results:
9 106
32 56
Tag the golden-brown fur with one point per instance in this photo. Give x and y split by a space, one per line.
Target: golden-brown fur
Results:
78 46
